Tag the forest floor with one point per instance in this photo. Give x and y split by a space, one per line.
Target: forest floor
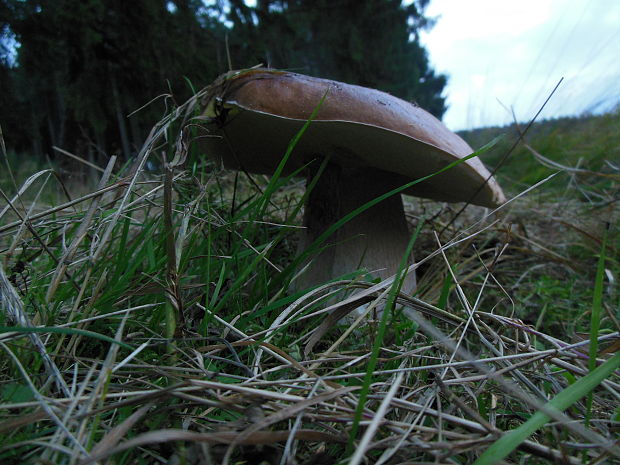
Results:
149 319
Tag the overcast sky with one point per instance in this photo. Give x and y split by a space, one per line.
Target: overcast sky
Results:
512 53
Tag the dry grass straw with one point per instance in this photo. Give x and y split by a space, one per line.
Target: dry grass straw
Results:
450 379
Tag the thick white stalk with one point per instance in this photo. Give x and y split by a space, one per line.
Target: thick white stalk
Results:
375 239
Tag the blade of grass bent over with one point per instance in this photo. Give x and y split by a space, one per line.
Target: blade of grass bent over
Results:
348 217
511 440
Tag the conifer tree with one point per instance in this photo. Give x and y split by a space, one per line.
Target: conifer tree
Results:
83 66
374 43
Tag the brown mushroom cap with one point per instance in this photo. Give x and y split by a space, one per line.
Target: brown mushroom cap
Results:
259 111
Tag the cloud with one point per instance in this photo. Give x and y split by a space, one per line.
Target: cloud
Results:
516 52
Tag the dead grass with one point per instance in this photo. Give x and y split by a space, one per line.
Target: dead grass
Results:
152 324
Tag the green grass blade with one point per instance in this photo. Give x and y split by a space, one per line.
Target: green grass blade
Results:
511 440
372 363
445 292
273 183
595 319
70 331
241 278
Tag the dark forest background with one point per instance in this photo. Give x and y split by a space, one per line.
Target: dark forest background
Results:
74 72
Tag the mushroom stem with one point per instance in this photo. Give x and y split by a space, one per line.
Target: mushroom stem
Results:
375 239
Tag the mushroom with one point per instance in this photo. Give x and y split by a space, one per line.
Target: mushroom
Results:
375 142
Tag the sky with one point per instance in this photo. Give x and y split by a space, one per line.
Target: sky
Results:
504 55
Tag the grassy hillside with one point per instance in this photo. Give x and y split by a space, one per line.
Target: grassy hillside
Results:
587 143
150 320
560 225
